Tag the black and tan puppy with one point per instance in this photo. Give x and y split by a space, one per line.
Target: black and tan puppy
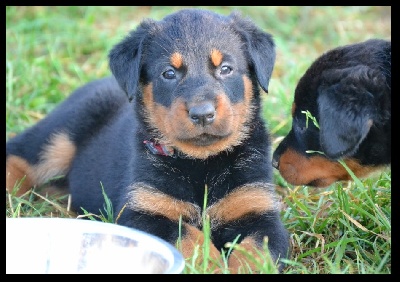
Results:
193 122
348 91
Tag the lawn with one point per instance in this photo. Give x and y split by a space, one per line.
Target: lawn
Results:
50 51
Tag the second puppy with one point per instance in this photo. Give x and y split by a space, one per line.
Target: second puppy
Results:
348 91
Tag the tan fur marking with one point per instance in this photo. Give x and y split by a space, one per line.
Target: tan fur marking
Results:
149 103
172 125
299 170
194 237
147 199
250 198
56 158
176 60
359 170
216 57
239 262
16 169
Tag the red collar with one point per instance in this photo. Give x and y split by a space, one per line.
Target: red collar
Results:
159 149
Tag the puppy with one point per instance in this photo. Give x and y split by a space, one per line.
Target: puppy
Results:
192 130
348 91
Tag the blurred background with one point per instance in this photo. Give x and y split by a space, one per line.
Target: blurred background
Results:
52 50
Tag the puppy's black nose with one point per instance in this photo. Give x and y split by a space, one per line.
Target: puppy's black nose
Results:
202 114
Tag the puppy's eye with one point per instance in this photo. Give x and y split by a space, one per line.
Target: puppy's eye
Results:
225 70
169 74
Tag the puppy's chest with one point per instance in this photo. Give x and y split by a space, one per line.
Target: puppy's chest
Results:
189 179
194 172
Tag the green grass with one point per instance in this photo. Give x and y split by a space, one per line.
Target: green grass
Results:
345 228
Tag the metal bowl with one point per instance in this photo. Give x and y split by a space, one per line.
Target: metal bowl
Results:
61 245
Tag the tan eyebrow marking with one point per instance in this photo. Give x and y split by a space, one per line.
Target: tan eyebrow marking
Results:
216 57
176 60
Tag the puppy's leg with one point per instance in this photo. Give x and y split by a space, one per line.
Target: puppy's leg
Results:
37 161
19 175
158 213
47 149
247 254
251 211
193 240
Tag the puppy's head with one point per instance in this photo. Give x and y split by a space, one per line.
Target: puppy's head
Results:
347 91
195 77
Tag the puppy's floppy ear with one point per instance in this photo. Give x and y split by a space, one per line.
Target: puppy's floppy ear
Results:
260 47
348 105
125 58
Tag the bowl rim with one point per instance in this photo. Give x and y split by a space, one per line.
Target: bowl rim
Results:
174 257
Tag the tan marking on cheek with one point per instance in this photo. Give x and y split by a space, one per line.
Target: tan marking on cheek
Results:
359 170
153 116
16 169
216 57
146 199
178 123
254 198
56 158
293 108
248 89
148 100
176 60
244 110
238 114
224 112
161 122
165 122
299 170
